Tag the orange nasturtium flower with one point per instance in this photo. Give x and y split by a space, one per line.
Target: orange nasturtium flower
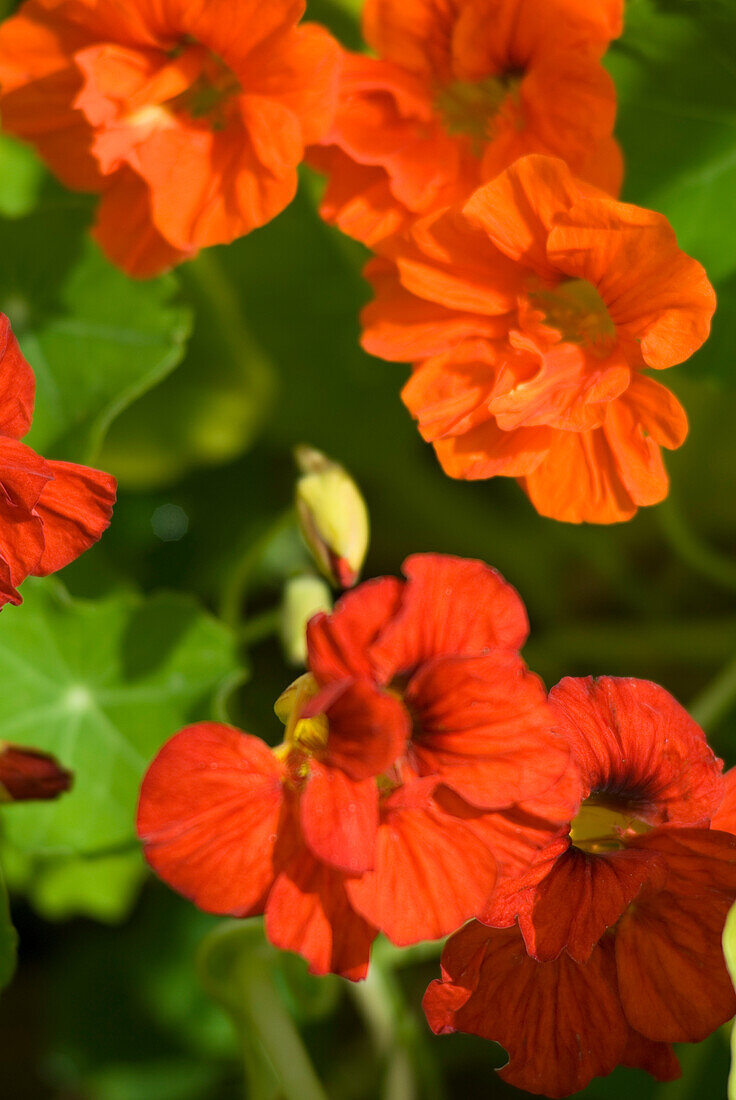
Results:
190 119
417 770
609 949
530 315
459 90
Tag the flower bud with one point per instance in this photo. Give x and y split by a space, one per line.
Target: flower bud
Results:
29 773
304 596
332 516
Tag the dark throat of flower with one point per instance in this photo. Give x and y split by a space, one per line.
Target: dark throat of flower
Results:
473 108
604 823
213 87
576 309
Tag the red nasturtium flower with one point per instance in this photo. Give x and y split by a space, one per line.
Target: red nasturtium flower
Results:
609 949
460 89
531 314
190 119
418 767
50 512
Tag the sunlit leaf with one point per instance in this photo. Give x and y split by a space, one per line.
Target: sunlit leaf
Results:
675 74
21 177
102 684
102 887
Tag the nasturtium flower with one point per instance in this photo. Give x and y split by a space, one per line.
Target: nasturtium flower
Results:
50 512
531 314
458 91
608 949
417 770
189 119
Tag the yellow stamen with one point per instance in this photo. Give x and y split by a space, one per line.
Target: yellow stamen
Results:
600 827
577 311
307 734
471 107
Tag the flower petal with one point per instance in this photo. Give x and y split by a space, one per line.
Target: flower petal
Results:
432 872
76 507
368 728
672 974
339 643
308 911
483 725
631 737
560 1022
449 606
339 818
17 385
208 816
518 208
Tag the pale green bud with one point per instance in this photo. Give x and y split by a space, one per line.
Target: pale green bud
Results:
303 597
333 517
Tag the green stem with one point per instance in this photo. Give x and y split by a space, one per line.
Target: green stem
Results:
235 967
717 700
697 554
258 627
278 1037
410 1070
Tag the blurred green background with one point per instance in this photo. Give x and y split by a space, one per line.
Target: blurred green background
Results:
193 389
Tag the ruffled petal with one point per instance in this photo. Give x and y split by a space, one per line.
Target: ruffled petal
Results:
518 209
578 481
672 974
125 232
450 606
560 1022
659 298
401 327
339 644
581 897
75 508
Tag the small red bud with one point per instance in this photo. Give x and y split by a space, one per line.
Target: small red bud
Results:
29 773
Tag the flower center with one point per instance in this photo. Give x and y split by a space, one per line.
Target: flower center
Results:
603 825
473 107
577 311
208 94
306 735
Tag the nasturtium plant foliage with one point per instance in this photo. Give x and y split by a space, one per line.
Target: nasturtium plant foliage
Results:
367 527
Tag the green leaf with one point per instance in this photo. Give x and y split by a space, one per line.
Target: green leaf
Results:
102 684
104 887
208 411
21 177
95 339
675 74
729 951
8 938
